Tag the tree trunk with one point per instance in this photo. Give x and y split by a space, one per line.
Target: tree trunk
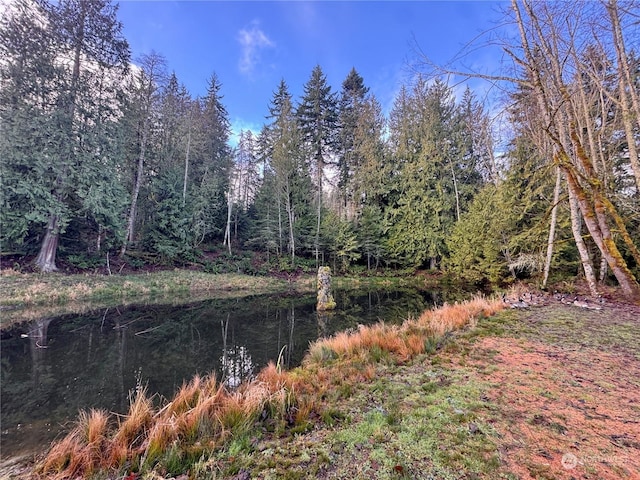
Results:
552 228
320 173
291 217
186 169
227 231
556 102
604 270
593 216
585 259
280 250
455 189
151 73
130 235
627 121
131 220
46 260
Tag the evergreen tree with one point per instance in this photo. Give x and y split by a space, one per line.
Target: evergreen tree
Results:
371 235
372 175
168 233
341 241
477 138
318 120
265 213
142 114
28 122
58 118
504 231
290 172
173 124
433 170
212 165
352 99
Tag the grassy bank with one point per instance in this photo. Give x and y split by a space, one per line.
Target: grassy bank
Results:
205 424
26 296
30 289
551 391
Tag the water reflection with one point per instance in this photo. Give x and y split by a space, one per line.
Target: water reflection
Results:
53 367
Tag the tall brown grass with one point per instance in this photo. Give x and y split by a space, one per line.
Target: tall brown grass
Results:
405 341
203 413
82 450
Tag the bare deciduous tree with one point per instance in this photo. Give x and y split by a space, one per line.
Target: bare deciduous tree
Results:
550 71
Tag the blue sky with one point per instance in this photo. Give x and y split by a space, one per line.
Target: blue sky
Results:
252 45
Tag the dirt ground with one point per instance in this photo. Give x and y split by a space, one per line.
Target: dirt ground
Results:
566 382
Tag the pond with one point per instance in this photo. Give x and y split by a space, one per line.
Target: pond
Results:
54 367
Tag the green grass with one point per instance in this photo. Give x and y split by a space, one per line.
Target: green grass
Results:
36 289
387 429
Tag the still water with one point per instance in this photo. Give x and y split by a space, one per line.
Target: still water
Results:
53 367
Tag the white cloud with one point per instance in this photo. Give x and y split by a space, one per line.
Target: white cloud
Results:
252 39
238 125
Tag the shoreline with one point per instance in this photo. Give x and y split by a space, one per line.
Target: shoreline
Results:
28 296
31 296
554 338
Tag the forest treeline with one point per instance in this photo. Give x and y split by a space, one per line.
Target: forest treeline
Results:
105 158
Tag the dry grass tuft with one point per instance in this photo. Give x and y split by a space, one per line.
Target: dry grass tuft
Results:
63 458
186 398
274 377
161 436
95 423
415 344
453 317
233 415
132 430
202 420
402 342
81 451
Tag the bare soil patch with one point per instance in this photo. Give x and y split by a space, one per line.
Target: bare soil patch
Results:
566 381
565 414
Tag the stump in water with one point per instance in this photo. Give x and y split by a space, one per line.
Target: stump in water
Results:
325 298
